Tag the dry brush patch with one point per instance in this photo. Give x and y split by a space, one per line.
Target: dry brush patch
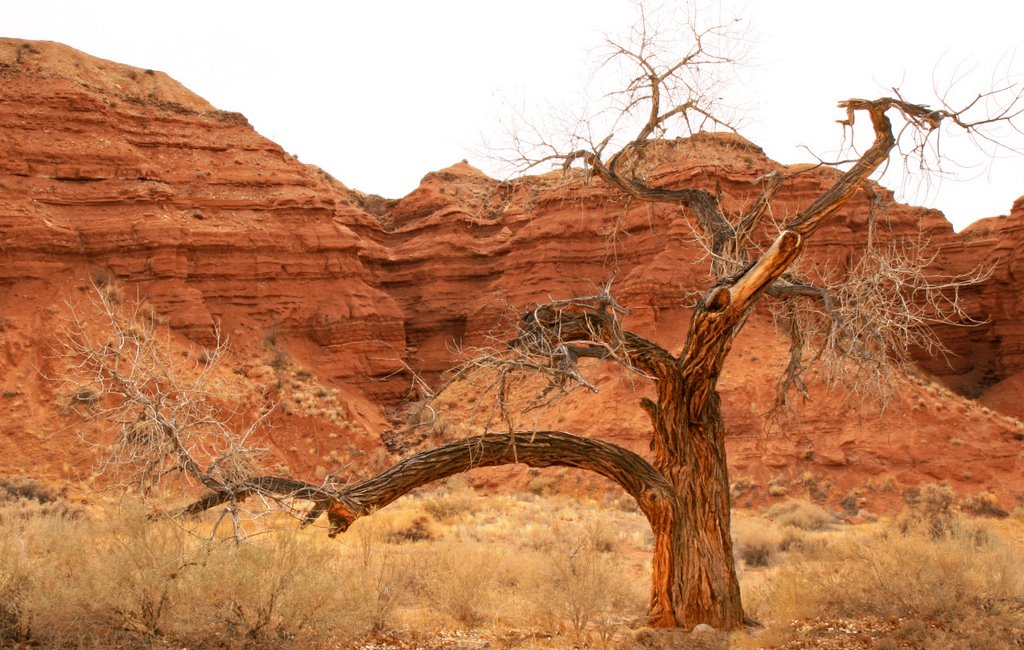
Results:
894 585
113 578
509 570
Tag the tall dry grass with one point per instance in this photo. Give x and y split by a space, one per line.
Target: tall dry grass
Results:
931 578
115 579
512 571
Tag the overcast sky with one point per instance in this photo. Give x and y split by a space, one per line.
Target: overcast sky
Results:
380 93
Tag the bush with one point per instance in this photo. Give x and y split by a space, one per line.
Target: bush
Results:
801 514
971 584
24 488
755 542
449 508
580 586
983 505
462 584
124 581
417 530
931 508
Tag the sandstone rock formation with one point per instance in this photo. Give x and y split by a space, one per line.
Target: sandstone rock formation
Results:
329 297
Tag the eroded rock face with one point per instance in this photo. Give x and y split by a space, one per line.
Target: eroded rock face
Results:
118 171
117 174
113 174
995 347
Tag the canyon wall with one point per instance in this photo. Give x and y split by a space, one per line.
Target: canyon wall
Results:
330 299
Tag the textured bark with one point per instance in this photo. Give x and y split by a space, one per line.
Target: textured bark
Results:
694 573
694 570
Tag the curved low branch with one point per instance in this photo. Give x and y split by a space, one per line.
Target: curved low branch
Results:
534 448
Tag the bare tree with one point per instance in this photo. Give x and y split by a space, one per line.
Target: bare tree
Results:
684 491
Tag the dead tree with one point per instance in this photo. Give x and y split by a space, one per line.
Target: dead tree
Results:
684 489
684 492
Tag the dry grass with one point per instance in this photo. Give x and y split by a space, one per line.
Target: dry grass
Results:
115 579
801 514
897 585
511 571
755 542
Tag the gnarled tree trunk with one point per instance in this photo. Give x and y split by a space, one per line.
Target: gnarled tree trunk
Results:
694 576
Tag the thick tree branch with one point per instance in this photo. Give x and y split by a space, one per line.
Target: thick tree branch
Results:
840 193
533 448
556 324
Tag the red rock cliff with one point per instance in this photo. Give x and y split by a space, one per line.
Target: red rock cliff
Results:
115 172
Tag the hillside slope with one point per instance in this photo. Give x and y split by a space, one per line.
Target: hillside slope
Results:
328 297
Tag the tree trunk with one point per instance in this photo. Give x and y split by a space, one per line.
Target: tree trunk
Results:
694 574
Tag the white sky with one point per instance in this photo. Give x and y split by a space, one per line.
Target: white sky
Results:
380 93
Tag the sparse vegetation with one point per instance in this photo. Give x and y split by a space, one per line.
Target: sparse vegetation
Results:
801 514
497 572
960 590
756 542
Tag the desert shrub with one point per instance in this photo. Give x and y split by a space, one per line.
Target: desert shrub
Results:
602 534
449 508
741 486
416 529
137 569
581 588
13 583
42 554
930 507
462 583
120 580
983 505
25 500
284 589
755 542
966 581
801 514
25 488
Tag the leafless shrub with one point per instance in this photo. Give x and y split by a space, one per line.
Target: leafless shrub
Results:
983 504
417 530
966 591
15 625
755 542
448 508
801 514
584 591
122 581
25 488
931 507
463 585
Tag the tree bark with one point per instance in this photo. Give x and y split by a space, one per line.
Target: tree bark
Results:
694 573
